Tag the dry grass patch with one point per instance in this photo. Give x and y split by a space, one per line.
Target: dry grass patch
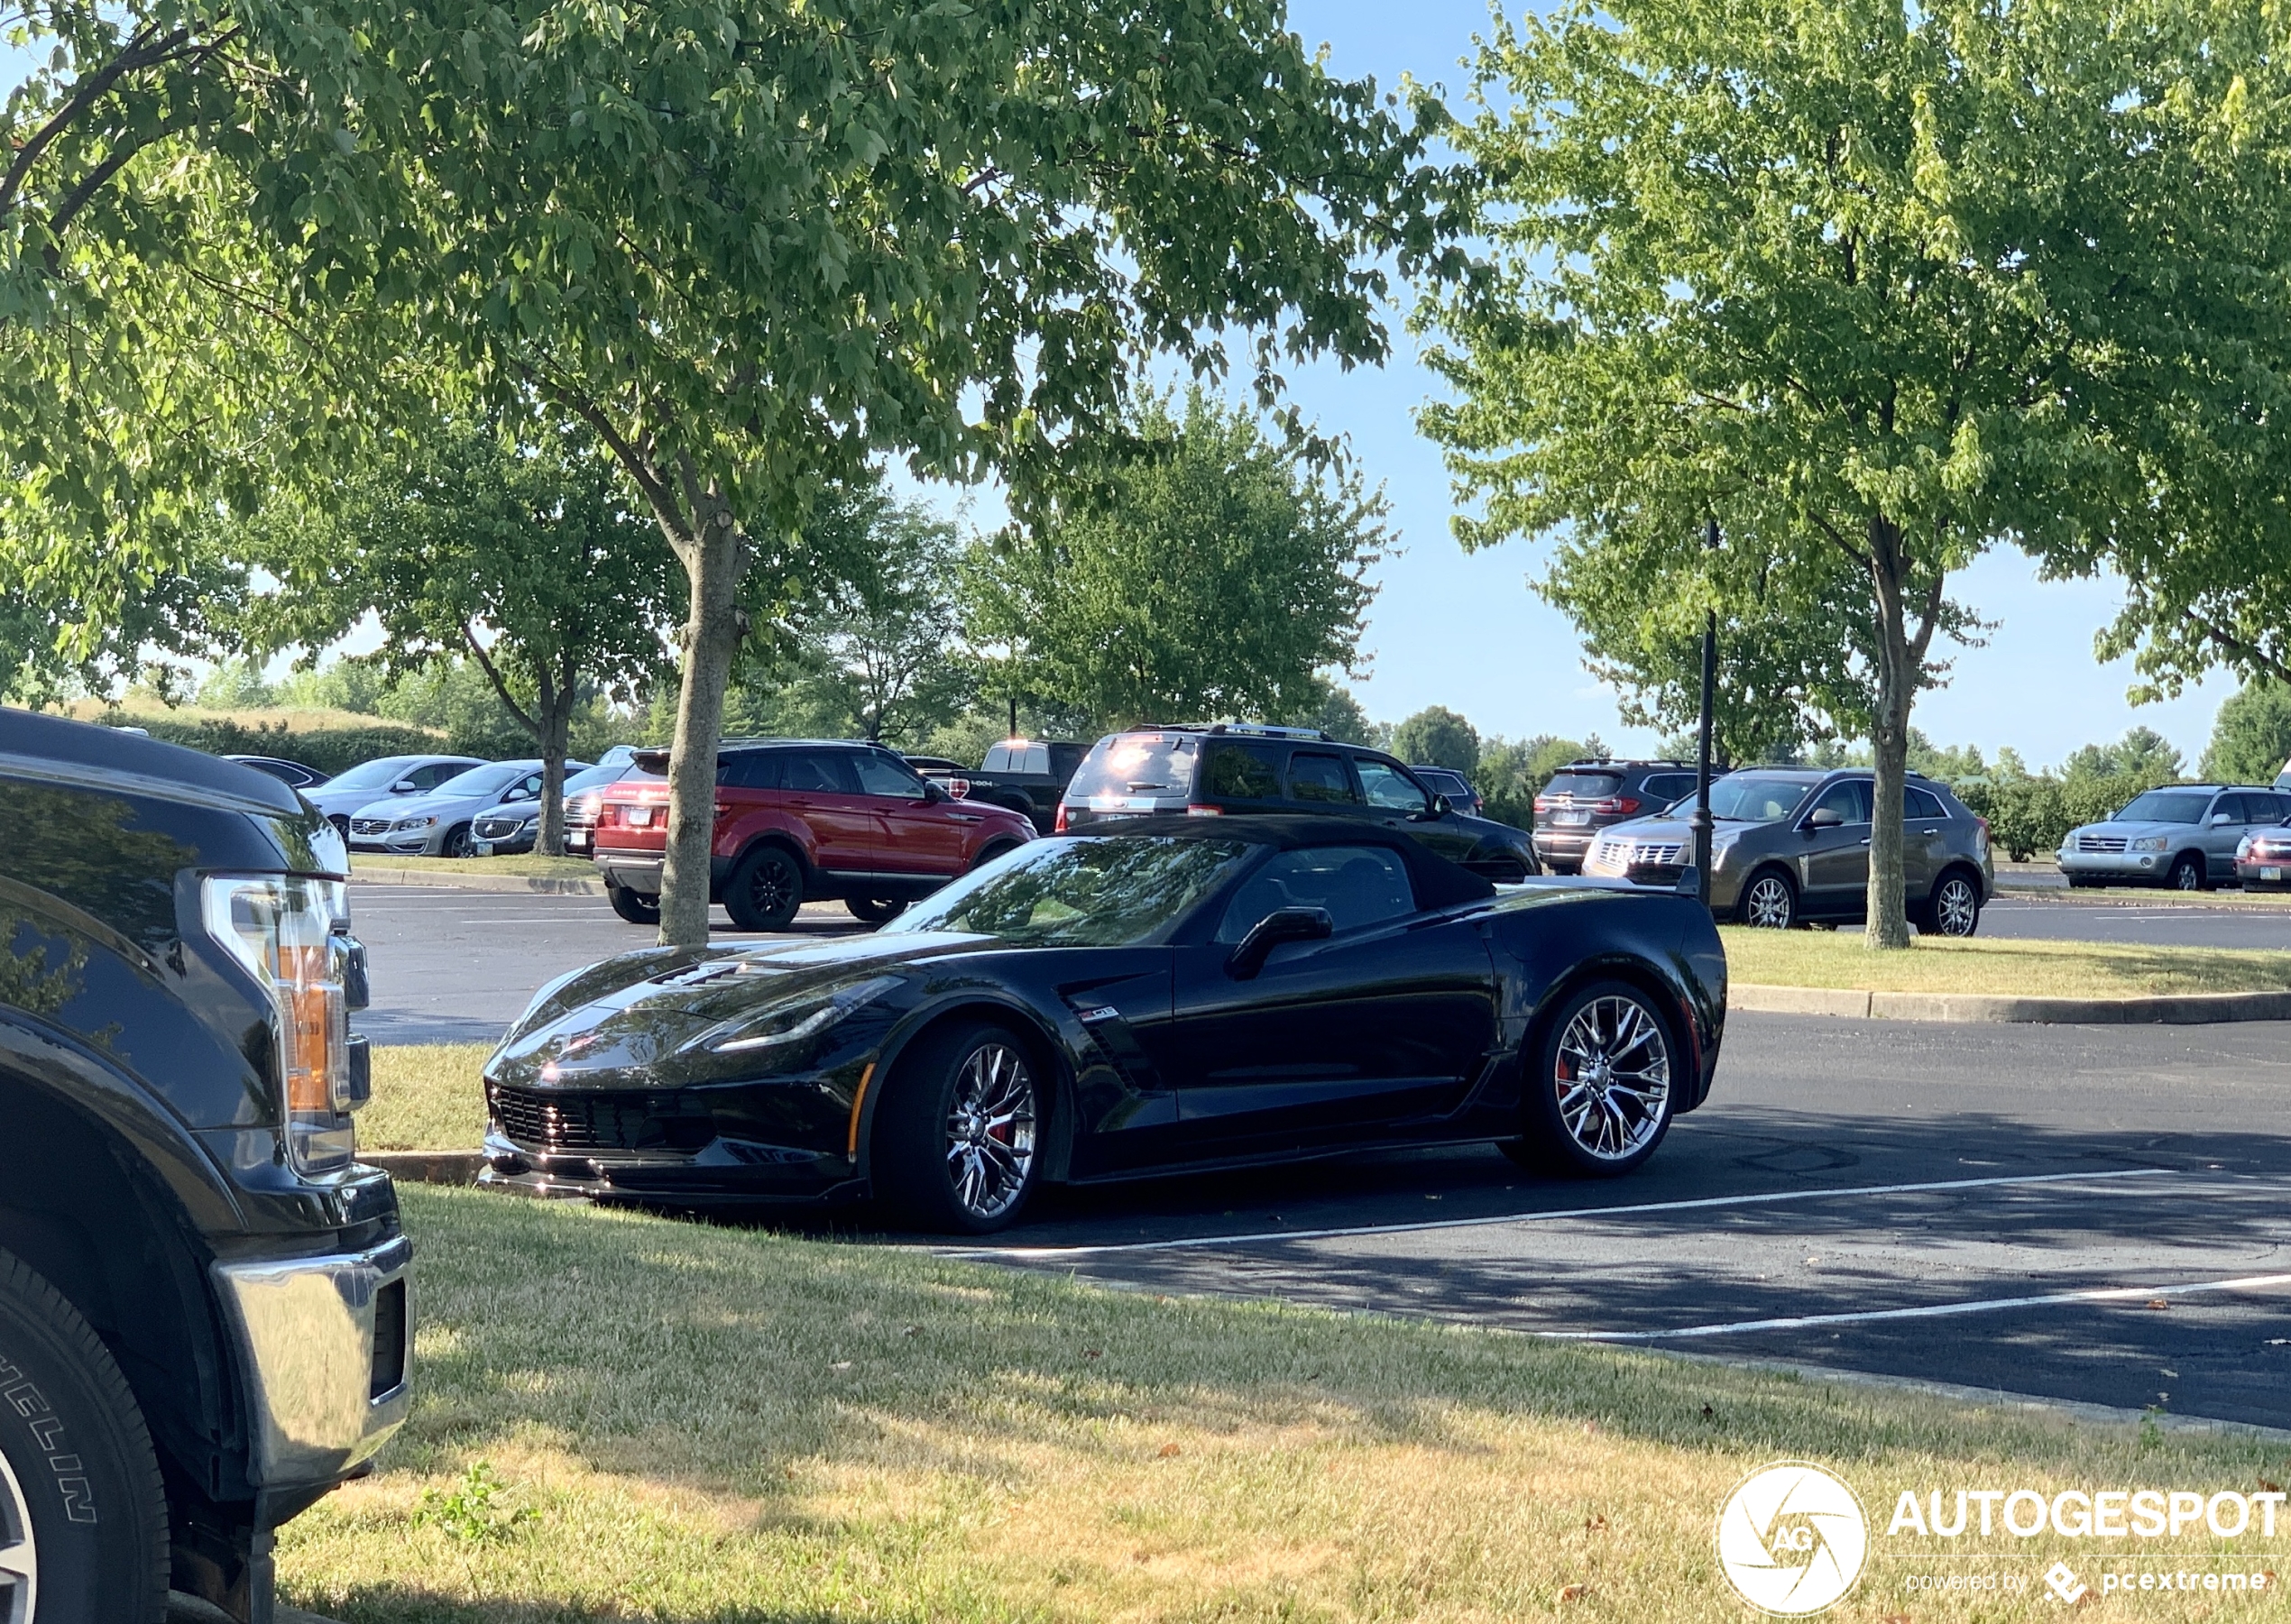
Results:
427 1097
297 719
525 867
709 1425
2052 970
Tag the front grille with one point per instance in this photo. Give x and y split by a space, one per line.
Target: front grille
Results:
369 826
498 829
599 1122
2099 842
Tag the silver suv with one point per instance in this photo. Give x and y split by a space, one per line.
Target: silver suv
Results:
1792 846
2183 836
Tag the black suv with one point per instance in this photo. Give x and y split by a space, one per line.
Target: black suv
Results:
1235 767
203 1313
1583 797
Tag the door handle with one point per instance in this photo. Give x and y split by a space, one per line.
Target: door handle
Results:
1865 839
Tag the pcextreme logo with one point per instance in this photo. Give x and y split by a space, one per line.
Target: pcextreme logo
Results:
1792 1538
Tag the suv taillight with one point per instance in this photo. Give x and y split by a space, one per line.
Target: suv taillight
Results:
1543 803
1981 840
1059 825
282 929
1621 807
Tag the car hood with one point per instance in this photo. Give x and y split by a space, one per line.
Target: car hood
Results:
2133 830
524 811
642 1013
412 806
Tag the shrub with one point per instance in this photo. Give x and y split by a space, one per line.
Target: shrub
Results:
329 749
2029 814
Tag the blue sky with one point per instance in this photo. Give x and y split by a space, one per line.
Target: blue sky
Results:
1466 631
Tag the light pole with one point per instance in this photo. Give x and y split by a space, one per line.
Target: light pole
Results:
1699 821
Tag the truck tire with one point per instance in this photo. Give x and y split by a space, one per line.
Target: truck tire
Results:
83 1513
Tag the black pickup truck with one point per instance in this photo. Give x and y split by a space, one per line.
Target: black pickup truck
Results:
204 1324
1028 776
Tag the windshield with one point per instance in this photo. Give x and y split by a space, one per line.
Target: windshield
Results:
1137 764
487 781
1108 892
1747 798
372 775
2165 806
595 778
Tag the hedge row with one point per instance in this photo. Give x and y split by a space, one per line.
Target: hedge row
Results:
329 749
2029 817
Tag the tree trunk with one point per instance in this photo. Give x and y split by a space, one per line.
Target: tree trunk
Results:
1897 680
713 557
549 841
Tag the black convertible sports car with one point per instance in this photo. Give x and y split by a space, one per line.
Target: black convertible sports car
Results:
1184 993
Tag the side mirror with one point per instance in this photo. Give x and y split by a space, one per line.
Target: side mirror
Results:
933 792
1826 817
404 786
1440 806
1282 924
2221 820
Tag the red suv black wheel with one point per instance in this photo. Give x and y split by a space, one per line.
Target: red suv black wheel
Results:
765 890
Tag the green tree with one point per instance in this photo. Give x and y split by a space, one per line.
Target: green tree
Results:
1215 572
1789 267
521 557
236 684
2251 736
1336 712
2142 753
889 641
1438 737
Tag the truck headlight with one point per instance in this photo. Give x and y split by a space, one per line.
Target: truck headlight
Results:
280 927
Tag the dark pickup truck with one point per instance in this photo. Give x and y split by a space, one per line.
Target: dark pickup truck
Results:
1028 775
204 1324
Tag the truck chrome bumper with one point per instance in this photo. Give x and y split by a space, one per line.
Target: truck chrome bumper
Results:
328 1341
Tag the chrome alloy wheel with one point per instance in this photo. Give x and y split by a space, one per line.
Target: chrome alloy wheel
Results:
1957 910
19 1552
1613 1078
1767 905
991 1130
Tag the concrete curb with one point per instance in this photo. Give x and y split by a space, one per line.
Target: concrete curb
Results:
552 883
428 1166
2182 1009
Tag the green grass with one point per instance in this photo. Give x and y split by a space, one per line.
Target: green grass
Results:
427 1097
2064 969
624 1418
579 868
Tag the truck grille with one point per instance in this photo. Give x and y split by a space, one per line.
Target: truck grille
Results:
369 826
599 1122
2099 842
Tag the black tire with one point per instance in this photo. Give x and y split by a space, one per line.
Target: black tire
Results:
874 910
456 842
765 890
1768 900
82 1500
1600 1122
634 906
1954 907
2187 873
341 824
937 1165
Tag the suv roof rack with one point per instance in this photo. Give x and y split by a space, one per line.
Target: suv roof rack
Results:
1247 729
1627 761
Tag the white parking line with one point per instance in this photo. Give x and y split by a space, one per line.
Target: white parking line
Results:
2106 1294
1766 1198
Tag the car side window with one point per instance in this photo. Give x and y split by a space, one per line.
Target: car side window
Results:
1242 772
821 772
882 776
750 769
1357 884
1921 806
1849 798
1664 788
1322 779
429 778
1390 788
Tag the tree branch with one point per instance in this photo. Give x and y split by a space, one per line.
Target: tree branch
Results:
2258 657
142 52
485 664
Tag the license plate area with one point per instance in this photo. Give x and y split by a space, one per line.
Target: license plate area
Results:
1571 819
2272 872
640 817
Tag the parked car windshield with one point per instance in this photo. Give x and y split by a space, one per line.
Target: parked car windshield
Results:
1103 892
596 777
379 774
487 781
1137 764
2165 806
1748 798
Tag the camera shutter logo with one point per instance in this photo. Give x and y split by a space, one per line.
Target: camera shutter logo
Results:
1792 1538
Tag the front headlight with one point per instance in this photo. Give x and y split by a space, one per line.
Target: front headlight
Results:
2243 848
403 823
282 929
2150 843
790 1022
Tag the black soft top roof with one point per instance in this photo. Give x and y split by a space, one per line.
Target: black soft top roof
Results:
1438 882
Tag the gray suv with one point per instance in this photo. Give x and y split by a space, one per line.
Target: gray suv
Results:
2183 836
1792 846
1585 797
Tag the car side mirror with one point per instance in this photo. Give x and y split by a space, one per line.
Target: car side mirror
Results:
404 786
1282 924
933 792
2221 820
1826 817
1442 806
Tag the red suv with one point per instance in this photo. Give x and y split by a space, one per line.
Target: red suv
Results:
800 820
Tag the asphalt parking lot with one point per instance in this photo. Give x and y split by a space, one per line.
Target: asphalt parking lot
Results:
2093 1215
2127 916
